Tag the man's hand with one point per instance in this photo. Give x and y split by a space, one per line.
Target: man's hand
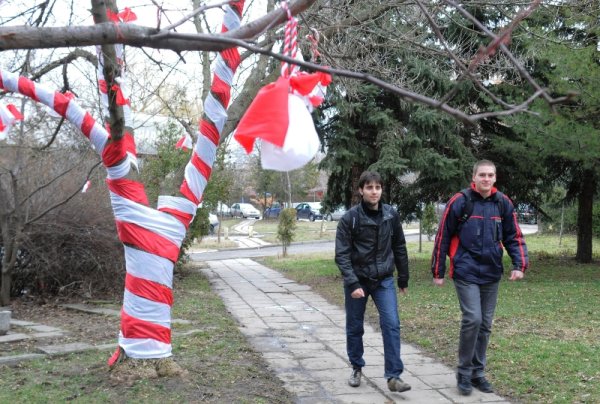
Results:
403 290
438 281
515 275
358 293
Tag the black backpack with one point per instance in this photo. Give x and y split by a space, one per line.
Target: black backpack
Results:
467 210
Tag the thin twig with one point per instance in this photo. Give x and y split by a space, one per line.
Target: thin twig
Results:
194 13
64 201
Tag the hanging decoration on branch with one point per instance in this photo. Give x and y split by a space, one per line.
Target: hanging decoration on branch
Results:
280 115
9 114
185 143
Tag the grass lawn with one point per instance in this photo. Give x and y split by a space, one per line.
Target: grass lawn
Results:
222 367
305 230
545 344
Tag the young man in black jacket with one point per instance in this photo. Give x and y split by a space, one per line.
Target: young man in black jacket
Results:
369 244
474 241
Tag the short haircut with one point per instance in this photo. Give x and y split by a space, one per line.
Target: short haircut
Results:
369 176
483 163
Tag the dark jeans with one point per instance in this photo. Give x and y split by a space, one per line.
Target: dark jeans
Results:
477 303
384 297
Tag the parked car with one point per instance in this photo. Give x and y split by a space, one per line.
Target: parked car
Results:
222 209
336 214
526 213
309 210
244 210
273 211
213 220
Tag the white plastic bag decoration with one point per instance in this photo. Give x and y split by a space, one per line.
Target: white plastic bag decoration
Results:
300 144
280 114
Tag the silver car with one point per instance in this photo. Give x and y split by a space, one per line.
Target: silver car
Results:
336 214
244 210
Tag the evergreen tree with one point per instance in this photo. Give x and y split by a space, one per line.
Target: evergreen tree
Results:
562 44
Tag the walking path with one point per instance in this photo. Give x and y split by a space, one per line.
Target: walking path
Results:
302 338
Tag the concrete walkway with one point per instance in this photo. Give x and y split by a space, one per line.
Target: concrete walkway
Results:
302 338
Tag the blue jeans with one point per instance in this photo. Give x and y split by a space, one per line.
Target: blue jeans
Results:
384 297
477 303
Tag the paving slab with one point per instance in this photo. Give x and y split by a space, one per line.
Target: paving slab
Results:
302 338
109 346
20 323
10 337
42 328
50 334
62 349
16 359
92 309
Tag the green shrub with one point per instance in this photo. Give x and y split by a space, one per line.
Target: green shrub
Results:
429 221
286 228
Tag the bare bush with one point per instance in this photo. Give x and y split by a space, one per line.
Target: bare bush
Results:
70 256
67 240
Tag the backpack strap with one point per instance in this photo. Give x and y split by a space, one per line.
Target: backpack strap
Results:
498 198
467 209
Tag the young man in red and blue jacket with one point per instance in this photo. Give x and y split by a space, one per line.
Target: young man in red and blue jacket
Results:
474 241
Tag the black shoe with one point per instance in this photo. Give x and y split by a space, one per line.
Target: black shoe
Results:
354 380
482 384
464 384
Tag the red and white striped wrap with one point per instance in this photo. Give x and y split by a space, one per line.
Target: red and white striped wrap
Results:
120 88
63 105
9 114
290 43
152 237
199 168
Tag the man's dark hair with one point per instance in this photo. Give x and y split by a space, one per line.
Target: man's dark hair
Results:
369 176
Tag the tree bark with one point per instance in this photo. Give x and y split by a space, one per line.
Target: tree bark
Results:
5 288
584 216
27 37
112 70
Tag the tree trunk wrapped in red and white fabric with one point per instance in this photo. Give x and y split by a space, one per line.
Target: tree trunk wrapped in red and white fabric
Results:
152 238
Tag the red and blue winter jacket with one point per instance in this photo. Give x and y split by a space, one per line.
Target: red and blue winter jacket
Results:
475 247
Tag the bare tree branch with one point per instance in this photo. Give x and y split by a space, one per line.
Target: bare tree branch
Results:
499 41
65 201
75 54
54 134
194 13
108 33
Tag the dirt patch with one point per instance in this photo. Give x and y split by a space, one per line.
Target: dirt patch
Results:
77 326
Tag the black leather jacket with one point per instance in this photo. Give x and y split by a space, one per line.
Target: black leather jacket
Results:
366 250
